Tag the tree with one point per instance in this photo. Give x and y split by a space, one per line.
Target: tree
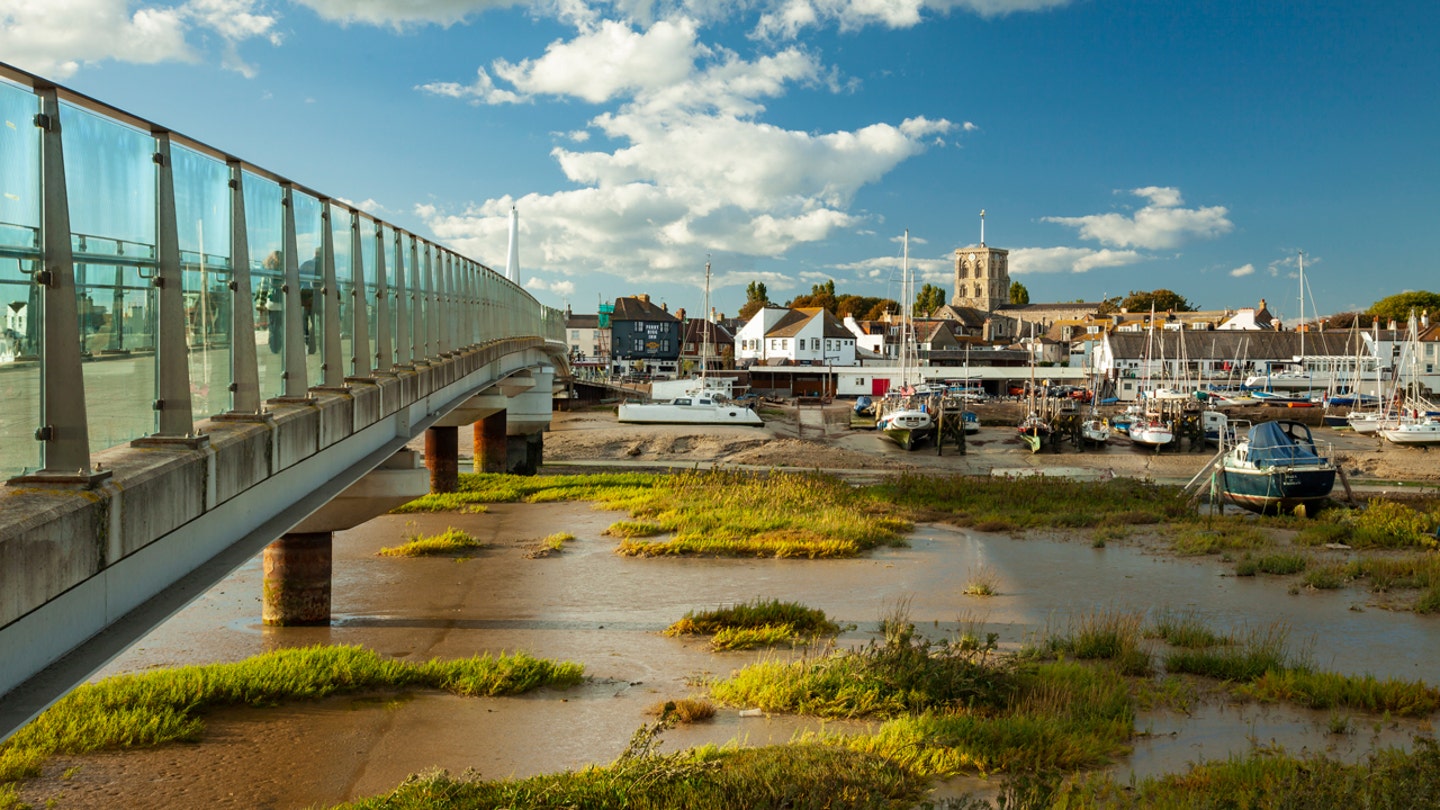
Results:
1108 306
821 295
1398 307
755 298
929 299
880 309
1345 320
1162 300
1019 296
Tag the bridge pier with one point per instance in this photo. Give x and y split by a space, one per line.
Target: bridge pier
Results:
442 457
491 445
525 453
297 580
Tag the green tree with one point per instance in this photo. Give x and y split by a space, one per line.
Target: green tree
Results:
755 297
1019 296
880 308
1345 320
821 295
1398 307
1162 300
929 299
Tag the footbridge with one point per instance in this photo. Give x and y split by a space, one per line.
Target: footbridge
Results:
202 360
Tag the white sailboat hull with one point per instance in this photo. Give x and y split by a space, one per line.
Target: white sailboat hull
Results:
661 413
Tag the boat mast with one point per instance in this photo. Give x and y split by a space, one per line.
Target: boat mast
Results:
705 329
907 325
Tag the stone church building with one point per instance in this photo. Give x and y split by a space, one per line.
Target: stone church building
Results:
982 299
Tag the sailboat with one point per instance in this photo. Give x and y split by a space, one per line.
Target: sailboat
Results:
901 418
1417 422
703 403
1033 429
1148 429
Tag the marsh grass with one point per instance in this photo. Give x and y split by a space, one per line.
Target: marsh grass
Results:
1390 572
1253 653
1429 601
1184 629
1279 564
900 674
1266 778
1326 577
990 504
982 581
1328 690
1103 635
775 777
460 502
1382 523
684 710
1223 537
450 541
163 706
556 541
761 623
1061 715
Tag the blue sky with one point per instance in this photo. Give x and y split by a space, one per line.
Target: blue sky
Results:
1115 146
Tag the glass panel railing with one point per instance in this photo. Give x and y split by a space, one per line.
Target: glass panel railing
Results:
308 226
118 316
110 182
343 234
19 296
264 237
202 206
373 237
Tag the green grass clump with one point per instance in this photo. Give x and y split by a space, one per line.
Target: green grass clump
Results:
902 674
556 541
1382 523
451 541
1390 572
1328 690
1195 541
1327 577
1062 716
1185 630
1429 602
761 623
991 504
775 777
1281 564
165 705
684 710
1264 779
1259 651
1106 635
441 502
759 613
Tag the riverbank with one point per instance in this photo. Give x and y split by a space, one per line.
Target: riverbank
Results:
814 436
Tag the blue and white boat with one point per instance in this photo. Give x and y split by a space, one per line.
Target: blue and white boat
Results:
1278 467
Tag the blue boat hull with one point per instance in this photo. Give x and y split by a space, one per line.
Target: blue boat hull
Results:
1277 489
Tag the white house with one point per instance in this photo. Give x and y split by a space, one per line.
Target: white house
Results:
781 336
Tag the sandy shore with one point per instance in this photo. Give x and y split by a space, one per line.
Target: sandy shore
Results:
820 437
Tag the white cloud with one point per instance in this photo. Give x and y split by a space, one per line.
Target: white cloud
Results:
1160 224
402 13
787 18
481 91
1068 259
609 60
55 37
1242 271
560 288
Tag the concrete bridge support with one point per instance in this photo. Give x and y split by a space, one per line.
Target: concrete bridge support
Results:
491 445
442 457
297 580
525 453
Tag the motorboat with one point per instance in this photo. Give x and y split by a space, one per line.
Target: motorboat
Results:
1413 430
1277 467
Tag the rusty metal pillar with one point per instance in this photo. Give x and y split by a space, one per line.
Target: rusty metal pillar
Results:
297 580
490 445
442 457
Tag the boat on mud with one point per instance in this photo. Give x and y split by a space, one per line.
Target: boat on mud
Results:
1277 467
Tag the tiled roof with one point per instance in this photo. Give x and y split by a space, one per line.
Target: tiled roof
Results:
634 309
1237 345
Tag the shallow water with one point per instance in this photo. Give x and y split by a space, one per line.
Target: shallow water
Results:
605 611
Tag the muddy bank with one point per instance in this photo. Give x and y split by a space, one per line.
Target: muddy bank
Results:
590 605
819 437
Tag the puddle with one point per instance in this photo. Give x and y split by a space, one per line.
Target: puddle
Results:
592 606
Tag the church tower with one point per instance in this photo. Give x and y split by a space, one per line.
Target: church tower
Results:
982 275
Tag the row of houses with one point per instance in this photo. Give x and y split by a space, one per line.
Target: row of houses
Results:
635 336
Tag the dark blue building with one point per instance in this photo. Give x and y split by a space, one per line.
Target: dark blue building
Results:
644 338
